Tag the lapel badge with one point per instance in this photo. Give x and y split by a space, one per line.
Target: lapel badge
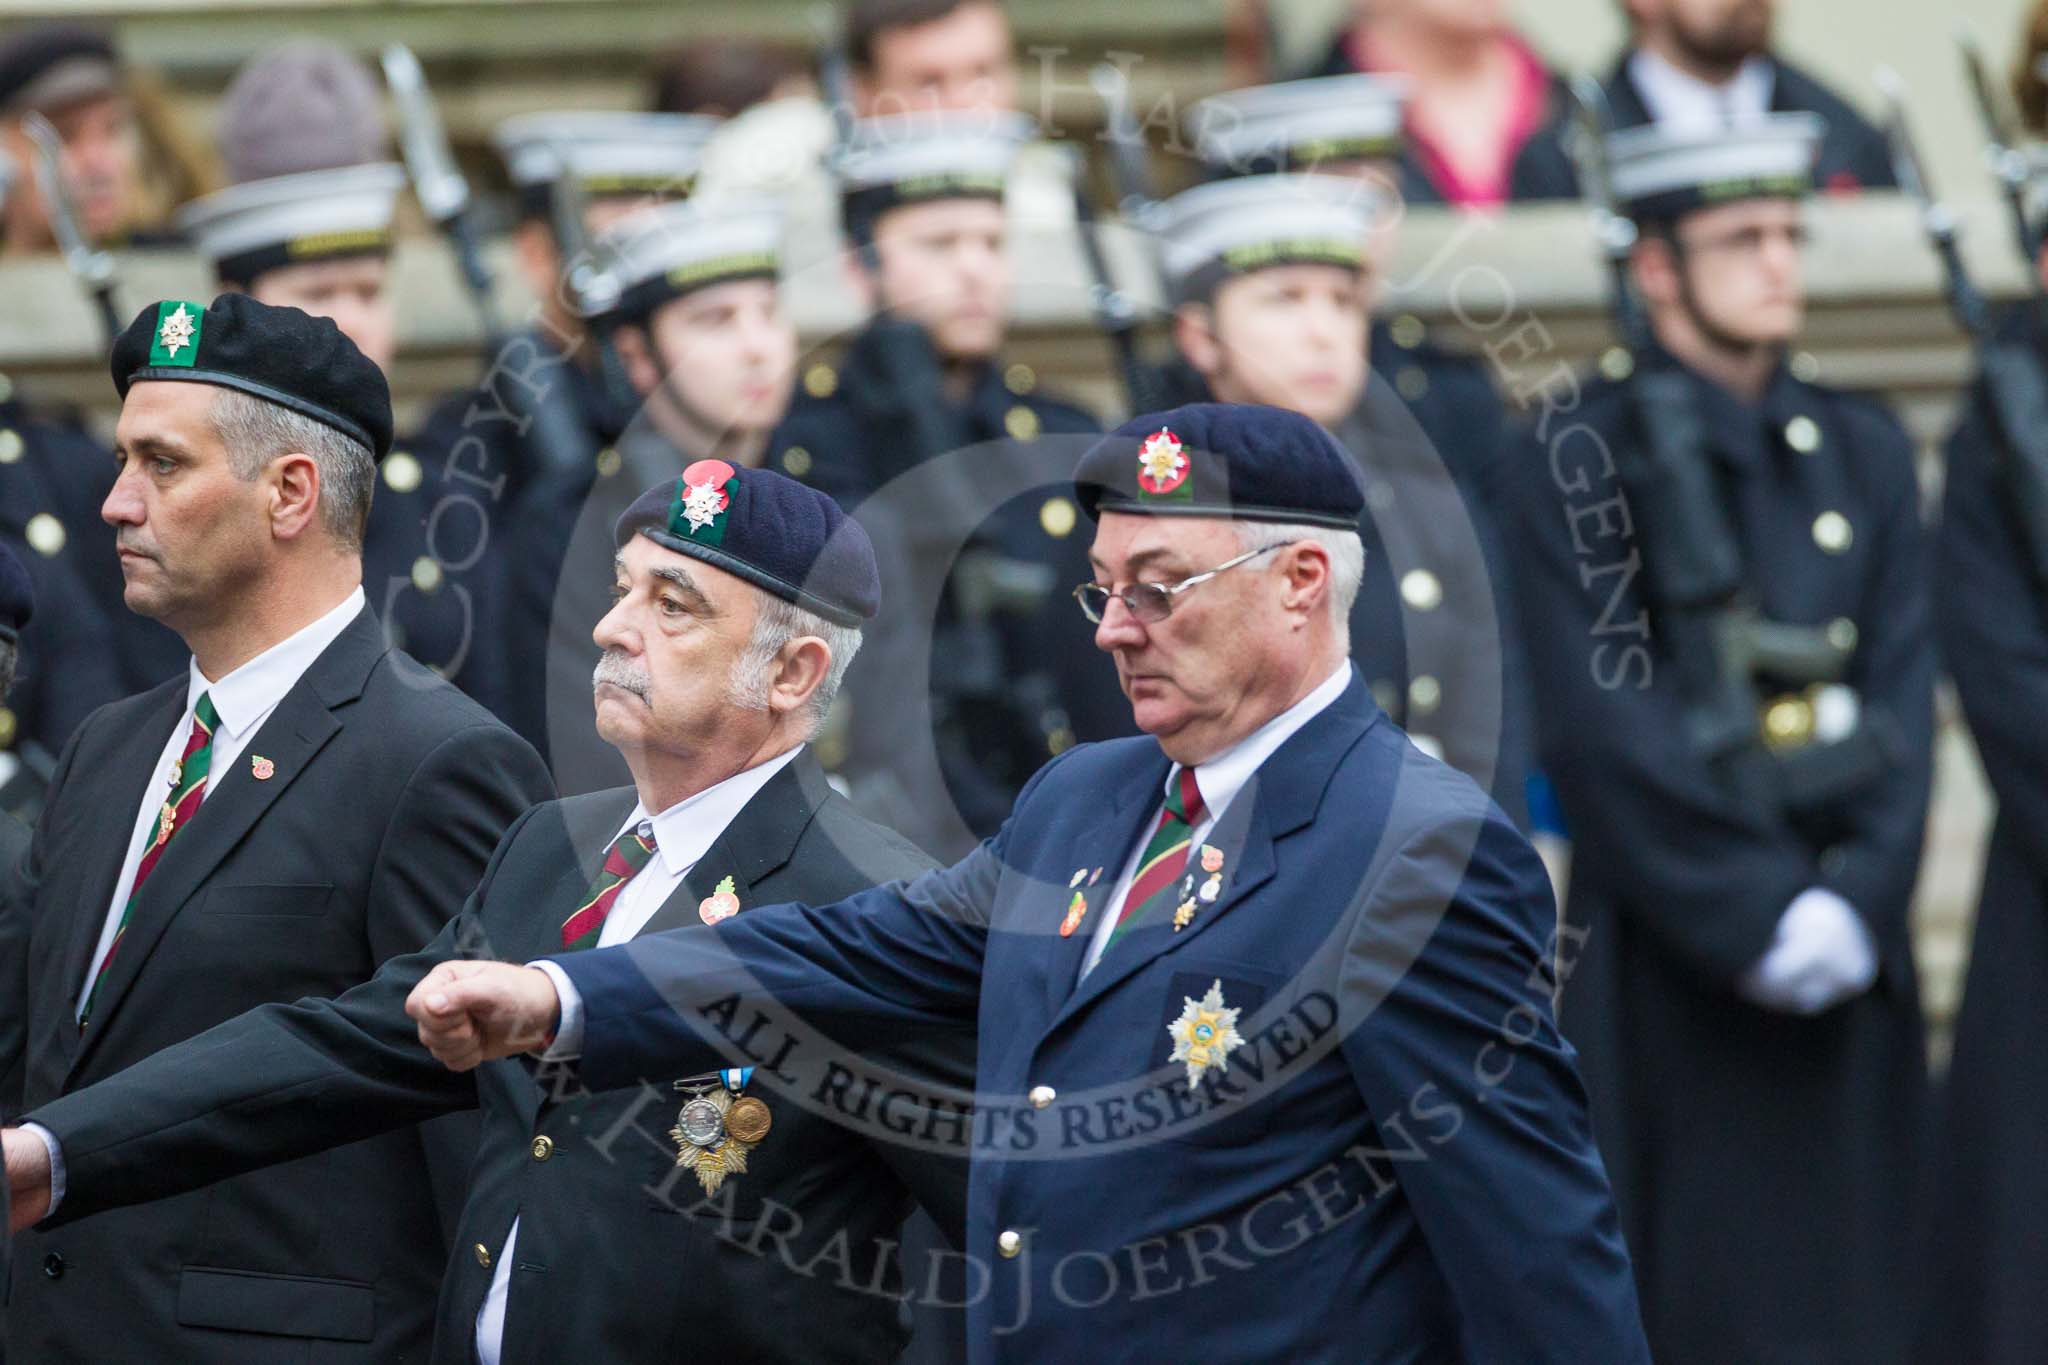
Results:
1212 858
1080 873
1095 876
722 903
1076 909
261 768
1205 1034
1183 915
1211 889
166 820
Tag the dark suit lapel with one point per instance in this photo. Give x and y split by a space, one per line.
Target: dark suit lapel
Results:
1126 818
1281 798
757 843
296 731
119 792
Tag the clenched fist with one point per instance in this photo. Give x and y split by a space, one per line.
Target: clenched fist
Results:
474 1012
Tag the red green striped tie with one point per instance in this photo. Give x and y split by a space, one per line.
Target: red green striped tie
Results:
188 789
1165 858
627 855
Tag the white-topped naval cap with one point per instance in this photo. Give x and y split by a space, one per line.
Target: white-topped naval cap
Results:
287 218
606 151
1297 123
1654 167
1251 221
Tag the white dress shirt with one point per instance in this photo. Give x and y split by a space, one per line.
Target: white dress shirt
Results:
683 834
242 701
1681 101
1219 780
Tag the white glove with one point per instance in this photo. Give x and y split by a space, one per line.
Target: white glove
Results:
1820 956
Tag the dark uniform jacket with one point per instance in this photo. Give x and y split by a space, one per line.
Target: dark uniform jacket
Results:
1990 1252
1376 1173
1852 155
981 545
621 1256
389 791
1760 1157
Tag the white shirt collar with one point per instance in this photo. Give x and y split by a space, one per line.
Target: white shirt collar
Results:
1222 777
248 694
1685 102
686 831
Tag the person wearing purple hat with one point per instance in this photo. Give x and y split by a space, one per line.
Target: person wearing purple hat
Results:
622 1225
1268 1069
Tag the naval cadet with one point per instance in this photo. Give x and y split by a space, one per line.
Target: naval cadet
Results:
1264 995
980 514
1724 585
721 1212
700 330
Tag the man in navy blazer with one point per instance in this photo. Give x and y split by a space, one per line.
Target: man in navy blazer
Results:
1267 1069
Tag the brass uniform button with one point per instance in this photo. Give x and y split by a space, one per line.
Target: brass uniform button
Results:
402 473
1616 364
1788 722
483 1255
1842 633
1407 331
1802 433
1385 695
426 574
1056 518
1008 1243
6 388
821 381
1411 382
543 1147
1422 590
1020 379
8 725
796 462
1425 694
1058 740
1832 532
1805 366
1042 1096
608 462
45 535
11 446
1022 423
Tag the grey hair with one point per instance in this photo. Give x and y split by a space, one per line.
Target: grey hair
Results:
257 431
778 622
1345 549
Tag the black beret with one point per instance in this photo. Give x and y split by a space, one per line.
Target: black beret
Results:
1237 460
289 357
17 596
782 536
28 55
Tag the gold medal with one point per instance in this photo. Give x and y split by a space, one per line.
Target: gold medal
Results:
706 1142
1183 915
748 1120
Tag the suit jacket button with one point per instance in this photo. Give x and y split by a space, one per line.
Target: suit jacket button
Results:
543 1147
1042 1096
53 1266
483 1255
1009 1243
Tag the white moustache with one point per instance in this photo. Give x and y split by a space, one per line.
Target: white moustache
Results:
616 669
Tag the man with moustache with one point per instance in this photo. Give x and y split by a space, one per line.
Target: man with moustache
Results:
1747 826
763 1227
299 806
1241 983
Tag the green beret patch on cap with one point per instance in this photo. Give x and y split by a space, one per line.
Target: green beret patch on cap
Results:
178 324
703 497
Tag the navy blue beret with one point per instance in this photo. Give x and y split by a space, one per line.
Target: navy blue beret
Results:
782 536
1237 460
17 595
287 356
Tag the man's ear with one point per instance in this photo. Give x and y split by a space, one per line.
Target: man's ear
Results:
1194 336
799 672
636 356
294 484
859 279
1309 579
1653 265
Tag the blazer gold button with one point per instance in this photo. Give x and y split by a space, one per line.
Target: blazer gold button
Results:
796 462
543 1147
11 446
608 462
821 381
1042 1096
1009 1243
426 574
1832 532
1425 694
1802 433
45 535
402 472
1056 518
1617 364
483 1255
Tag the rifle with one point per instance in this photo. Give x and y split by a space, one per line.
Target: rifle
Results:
437 182
90 266
1692 564
2015 385
2001 149
1115 311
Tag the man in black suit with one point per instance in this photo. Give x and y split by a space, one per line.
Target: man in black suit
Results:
303 805
591 1228
17 602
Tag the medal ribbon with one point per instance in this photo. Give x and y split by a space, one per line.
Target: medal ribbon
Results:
188 789
627 855
1165 857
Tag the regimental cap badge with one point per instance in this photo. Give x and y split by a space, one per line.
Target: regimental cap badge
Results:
703 496
1163 467
178 325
